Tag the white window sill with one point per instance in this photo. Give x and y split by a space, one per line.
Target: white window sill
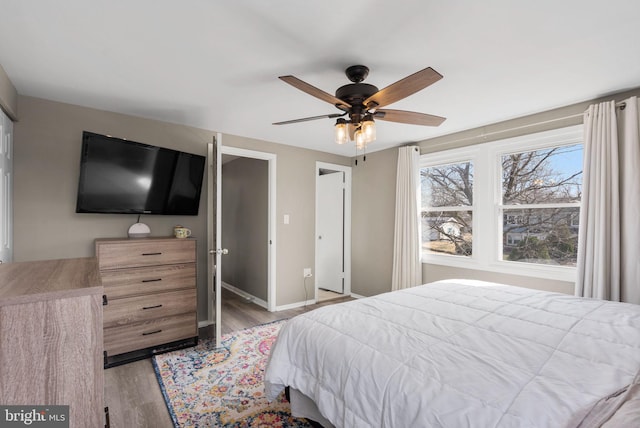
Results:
559 273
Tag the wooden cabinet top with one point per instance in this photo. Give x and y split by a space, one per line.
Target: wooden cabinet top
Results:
26 282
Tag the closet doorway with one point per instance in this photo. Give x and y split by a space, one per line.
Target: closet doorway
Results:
247 224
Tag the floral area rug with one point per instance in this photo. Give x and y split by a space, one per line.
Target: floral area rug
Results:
208 386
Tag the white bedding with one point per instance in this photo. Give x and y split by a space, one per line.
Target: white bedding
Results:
459 354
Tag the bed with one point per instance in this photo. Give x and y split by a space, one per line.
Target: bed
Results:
462 353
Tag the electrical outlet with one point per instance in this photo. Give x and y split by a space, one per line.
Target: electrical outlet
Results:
306 272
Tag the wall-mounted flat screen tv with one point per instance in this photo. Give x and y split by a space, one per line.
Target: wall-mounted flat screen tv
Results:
119 176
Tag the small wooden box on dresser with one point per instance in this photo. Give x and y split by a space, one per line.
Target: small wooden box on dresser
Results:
150 296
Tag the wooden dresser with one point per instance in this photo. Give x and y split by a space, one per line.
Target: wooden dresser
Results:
51 337
150 296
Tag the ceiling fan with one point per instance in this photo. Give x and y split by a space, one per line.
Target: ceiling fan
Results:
362 102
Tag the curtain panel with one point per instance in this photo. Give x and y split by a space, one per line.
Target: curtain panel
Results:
608 261
407 266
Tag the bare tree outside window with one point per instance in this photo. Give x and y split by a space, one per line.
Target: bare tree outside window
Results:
447 208
541 193
540 206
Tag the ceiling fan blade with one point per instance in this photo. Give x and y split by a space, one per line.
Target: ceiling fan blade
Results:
403 88
307 119
313 91
410 117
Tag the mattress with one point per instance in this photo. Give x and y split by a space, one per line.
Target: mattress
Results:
462 354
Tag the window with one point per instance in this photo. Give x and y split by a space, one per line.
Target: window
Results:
541 192
447 208
509 206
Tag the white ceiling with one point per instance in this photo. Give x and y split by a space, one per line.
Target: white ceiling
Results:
215 64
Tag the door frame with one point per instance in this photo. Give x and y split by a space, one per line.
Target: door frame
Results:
214 290
347 224
271 159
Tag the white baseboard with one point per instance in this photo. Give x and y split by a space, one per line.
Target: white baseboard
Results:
294 305
308 302
264 304
245 295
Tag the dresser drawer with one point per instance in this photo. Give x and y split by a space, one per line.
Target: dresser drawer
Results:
147 252
130 310
118 340
148 280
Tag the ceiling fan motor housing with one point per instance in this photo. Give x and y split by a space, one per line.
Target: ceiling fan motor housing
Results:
355 94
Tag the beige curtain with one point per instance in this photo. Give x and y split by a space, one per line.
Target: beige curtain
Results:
608 261
407 267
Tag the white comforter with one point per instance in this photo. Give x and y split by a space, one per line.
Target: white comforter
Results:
458 354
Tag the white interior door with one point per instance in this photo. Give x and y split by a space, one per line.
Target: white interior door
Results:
330 232
6 176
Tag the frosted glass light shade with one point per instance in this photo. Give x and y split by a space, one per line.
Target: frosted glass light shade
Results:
368 129
342 136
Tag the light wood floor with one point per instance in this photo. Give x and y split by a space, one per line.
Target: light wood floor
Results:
324 295
132 391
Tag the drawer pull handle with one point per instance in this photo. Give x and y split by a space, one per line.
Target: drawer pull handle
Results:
151 254
152 280
151 307
151 332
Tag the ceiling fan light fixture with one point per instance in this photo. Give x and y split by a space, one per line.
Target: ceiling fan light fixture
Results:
342 134
368 128
360 139
359 102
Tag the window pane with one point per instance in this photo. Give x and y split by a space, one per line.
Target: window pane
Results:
541 235
542 176
447 185
447 232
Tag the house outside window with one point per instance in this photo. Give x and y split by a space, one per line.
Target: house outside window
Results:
510 206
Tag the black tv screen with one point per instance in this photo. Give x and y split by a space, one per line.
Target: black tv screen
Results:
125 177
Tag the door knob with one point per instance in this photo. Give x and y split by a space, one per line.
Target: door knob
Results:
220 251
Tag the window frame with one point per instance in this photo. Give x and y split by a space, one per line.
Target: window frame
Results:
487 208
434 162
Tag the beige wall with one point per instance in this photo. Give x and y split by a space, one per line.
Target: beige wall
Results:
47 145
8 95
372 218
245 205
